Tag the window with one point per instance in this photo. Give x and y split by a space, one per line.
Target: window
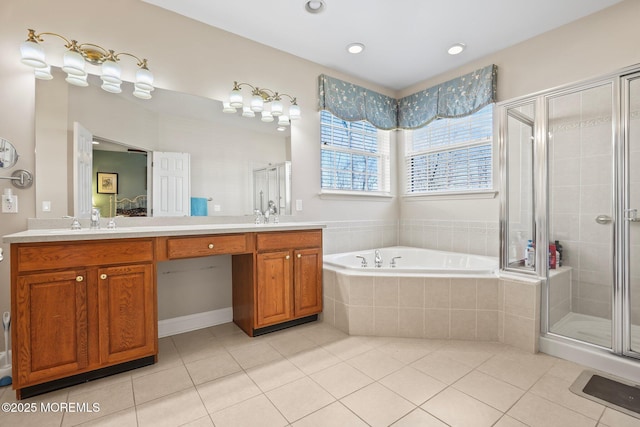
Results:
451 155
354 155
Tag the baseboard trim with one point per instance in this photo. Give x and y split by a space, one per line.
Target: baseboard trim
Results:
191 322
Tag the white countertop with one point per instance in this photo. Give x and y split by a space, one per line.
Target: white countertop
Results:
66 234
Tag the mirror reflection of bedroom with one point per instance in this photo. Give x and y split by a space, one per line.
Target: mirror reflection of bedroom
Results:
127 167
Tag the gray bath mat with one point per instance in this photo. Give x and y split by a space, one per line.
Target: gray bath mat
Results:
610 391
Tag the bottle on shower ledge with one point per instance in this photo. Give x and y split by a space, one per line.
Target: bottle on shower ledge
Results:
530 259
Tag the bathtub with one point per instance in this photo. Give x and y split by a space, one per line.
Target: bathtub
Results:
414 262
429 294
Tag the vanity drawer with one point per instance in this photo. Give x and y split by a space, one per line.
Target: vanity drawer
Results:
50 256
189 247
289 240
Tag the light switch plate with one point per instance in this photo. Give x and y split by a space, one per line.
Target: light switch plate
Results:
46 206
298 205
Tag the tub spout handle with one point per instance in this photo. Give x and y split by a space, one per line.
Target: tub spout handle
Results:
392 264
363 263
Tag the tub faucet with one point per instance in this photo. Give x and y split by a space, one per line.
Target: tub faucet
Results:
378 258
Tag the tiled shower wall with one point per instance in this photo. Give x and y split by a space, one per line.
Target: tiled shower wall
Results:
580 183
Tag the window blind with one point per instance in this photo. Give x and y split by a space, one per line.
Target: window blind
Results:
451 155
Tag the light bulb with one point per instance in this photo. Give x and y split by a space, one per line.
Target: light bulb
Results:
276 108
43 73
235 98
226 108
144 80
73 64
257 103
111 72
32 54
294 112
266 116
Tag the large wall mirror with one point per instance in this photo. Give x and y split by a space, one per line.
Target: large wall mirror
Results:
224 149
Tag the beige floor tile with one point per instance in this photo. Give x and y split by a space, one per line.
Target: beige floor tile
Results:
322 333
413 385
615 418
274 374
126 418
536 411
566 369
91 386
249 356
341 379
314 360
442 368
375 363
470 357
200 422
489 390
419 418
31 419
254 412
334 415
377 405
409 350
507 421
225 329
168 357
212 368
113 398
299 398
556 390
349 347
173 410
227 391
447 406
190 351
188 339
519 369
292 343
162 383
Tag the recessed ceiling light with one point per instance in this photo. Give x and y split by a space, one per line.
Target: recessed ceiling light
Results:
456 48
314 6
355 48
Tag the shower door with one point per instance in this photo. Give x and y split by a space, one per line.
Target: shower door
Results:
581 125
631 206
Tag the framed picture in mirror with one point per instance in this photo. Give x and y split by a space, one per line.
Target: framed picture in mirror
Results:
107 183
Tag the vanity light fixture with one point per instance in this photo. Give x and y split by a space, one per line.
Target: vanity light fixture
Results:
456 48
315 6
261 98
75 59
355 48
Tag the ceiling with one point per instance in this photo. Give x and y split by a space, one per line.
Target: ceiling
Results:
406 40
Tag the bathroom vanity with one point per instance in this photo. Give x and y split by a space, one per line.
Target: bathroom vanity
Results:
85 302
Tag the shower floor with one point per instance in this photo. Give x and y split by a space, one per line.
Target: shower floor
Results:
595 330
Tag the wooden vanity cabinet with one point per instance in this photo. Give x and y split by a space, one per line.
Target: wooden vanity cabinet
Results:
81 306
287 281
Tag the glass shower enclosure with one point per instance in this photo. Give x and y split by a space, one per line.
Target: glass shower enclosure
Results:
570 167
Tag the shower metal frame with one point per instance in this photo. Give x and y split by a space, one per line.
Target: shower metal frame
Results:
620 321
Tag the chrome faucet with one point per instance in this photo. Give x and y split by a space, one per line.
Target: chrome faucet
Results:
378 258
95 218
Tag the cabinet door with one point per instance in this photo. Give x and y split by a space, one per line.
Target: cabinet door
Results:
126 313
307 282
50 326
273 290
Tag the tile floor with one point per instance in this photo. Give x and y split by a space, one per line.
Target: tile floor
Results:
314 375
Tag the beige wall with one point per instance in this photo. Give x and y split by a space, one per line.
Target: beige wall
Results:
594 45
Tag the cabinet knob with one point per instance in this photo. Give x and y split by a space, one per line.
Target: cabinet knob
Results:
287 257
299 255
210 245
79 278
103 276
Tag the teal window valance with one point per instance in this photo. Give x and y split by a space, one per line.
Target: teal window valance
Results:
353 103
455 98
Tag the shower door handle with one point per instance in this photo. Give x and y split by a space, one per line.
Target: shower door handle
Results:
631 215
603 219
